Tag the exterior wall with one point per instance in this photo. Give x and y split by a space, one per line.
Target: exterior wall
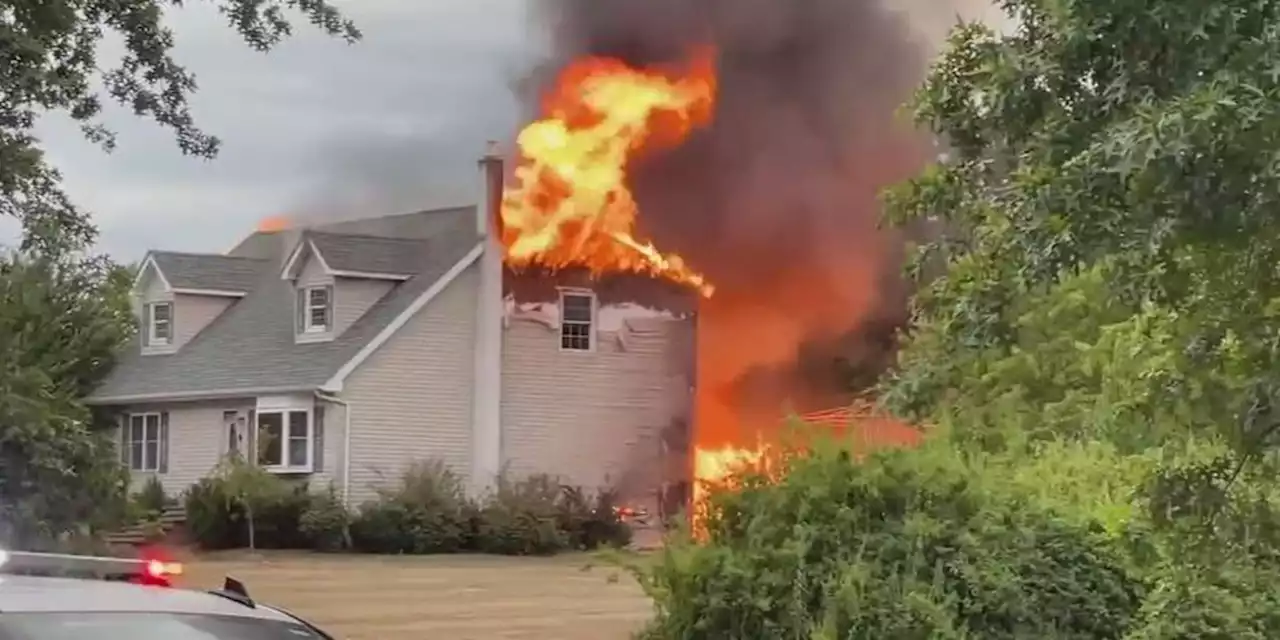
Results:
595 418
312 273
197 442
153 290
191 314
354 296
411 400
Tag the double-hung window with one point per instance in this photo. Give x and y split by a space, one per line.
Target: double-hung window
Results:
159 323
286 440
144 442
577 318
317 309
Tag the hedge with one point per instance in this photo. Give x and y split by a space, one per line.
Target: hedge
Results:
427 511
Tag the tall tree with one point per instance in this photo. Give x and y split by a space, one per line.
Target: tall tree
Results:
49 62
1113 274
64 314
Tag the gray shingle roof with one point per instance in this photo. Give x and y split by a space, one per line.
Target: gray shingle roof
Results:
367 254
208 272
250 348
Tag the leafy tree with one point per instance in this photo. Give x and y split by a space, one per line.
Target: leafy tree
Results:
64 314
1111 280
62 321
49 63
249 487
916 544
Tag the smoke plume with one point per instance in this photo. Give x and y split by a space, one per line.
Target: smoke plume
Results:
777 200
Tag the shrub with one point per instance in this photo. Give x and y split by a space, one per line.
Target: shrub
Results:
278 516
522 518
326 522
213 521
426 512
216 516
904 545
151 498
591 522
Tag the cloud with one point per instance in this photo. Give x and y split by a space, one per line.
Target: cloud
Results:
314 128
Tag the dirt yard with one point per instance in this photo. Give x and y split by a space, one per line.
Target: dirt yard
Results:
457 597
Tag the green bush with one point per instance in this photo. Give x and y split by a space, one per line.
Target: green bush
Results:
426 512
212 520
904 545
522 518
326 522
591 522
216 520
151 498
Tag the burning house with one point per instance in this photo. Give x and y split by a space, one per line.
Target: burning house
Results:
684 248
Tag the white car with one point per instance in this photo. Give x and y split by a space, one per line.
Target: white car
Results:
46 596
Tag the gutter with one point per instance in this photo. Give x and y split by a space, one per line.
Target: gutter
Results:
187 396
346 443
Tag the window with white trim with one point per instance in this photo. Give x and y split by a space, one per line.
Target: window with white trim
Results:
577 320
317 311
286 439
141 442
160 323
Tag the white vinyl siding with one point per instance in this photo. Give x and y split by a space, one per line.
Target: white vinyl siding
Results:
411 400
597 418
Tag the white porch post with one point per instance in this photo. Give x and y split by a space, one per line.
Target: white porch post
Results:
486 425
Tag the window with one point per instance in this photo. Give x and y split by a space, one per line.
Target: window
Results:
160 323
131 625
577 312
285 440
143 442
317 309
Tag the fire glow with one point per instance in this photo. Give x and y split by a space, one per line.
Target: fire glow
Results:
570 204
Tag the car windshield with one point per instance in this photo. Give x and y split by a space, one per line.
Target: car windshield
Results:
144 626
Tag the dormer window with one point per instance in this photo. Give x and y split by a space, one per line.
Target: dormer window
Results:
315 309
159 323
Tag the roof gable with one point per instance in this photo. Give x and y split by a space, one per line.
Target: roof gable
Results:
201 274
250 348
356 256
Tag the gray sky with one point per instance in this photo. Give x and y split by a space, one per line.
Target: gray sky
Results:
314 128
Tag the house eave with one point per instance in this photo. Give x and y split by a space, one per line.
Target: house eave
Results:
216 293
190 396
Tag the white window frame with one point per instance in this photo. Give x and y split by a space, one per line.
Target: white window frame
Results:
140 466
153 339
286 464
308 325
591 324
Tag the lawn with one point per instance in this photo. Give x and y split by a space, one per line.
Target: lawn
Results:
455 597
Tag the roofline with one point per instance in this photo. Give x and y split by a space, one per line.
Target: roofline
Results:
335 383
183 396
221 293
142 269
287 273
369 275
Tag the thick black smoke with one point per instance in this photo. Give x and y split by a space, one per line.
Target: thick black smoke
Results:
777 200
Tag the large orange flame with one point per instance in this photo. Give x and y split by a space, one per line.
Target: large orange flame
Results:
570 204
